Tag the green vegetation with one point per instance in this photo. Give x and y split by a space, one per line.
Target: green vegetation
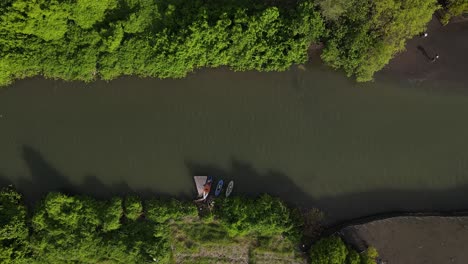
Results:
332 250
87 39
370 32
13 228
454 8
74 229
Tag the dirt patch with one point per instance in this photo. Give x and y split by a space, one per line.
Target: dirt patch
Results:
415 240
416 62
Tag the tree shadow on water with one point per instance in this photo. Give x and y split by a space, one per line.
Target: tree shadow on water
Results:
251 182
44 178
341 208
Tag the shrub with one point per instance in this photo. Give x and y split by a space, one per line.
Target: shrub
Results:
13 228
133 207
454 8
264 216
370 33
85 39
161 211
111 212
331 250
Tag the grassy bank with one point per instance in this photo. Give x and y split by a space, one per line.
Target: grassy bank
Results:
72 229
86 40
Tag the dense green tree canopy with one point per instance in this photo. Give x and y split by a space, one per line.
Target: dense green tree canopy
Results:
332 250
454 8
85 39
13 228
371 32
329 251
75 229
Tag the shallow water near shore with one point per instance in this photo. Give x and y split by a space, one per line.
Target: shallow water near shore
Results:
311 136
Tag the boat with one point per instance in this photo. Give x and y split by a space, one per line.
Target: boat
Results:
229 188
219 188
203 185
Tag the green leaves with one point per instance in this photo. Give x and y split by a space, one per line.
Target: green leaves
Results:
330 250
44 19
133 208
454 8
161 211
111 213
263 216
86 13
370 33
86 39
13 228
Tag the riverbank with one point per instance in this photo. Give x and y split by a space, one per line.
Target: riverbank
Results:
416 240
62 229
415 64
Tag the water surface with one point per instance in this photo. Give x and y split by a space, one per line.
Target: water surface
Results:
311 136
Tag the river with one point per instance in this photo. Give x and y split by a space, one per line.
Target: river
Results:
310 135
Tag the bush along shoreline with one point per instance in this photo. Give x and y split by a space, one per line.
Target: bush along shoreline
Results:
79 229
87 39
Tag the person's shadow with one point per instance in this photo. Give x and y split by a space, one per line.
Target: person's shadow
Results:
424 52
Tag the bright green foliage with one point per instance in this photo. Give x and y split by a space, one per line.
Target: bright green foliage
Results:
369 256
73 229
44 19
333 9
70 229
161 211
331 250
111 213
354 258
13 229
86 39
133 207
370 33
264 216
65 229
87 12
454 8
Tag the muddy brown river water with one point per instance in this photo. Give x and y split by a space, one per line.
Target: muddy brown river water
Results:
311 136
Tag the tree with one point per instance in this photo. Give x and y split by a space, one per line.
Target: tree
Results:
86 13
263 216
369 256
44 19
13 228
66 229
329 250
111 213
370 33
354 258
454 8
333 9
161 211
133 208
85 40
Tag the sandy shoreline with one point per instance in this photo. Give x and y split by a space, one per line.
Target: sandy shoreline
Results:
450 42
416 240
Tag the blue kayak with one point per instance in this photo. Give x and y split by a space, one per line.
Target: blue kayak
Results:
219 188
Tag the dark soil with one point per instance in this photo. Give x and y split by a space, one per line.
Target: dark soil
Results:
450 42
414 240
